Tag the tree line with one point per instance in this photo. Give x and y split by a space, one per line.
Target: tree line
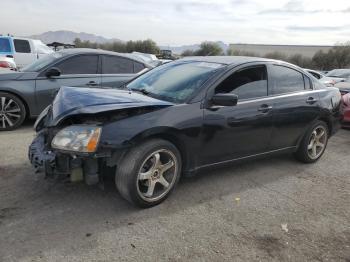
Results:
337 57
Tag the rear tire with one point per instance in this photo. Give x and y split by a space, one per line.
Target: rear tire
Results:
313 144
149 172
12 112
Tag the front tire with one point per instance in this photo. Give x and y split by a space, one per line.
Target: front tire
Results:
12 112
313 144
149 172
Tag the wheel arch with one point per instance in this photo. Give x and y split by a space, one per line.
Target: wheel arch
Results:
169 134
328 122
324 119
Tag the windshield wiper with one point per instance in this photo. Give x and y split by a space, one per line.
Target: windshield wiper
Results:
142 90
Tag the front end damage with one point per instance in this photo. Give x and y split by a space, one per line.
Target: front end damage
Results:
76 164
66 165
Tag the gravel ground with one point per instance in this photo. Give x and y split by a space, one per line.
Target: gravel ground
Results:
274 209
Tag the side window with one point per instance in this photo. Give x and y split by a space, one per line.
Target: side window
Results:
117 65
138 67
5 46
247 83
286 80
81 64
21 46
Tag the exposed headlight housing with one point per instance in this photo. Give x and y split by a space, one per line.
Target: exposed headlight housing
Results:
77 138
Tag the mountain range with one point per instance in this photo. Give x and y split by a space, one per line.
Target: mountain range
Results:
67 37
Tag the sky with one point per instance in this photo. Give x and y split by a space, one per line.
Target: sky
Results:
180 22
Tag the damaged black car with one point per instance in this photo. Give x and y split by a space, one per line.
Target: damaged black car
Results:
182 117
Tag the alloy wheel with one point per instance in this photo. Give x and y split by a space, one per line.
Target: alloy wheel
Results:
317 143
10 112
157 175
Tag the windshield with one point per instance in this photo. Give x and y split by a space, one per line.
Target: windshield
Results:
174 82
42 62
5 46
343 73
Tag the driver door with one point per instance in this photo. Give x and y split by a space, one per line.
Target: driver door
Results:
233 132
77 71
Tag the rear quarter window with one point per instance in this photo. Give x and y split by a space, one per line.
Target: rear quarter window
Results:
5 46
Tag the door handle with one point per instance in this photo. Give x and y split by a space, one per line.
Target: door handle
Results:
264 108
92 83
311 100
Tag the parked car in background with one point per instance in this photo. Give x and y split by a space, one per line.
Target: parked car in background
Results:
327 81
181 117
26 93
346 110
147 58
339 75
7 64
23 50
344 87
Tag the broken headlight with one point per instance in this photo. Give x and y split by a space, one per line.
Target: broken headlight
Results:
77 138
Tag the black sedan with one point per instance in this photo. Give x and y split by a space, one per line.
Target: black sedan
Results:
182 117
26 93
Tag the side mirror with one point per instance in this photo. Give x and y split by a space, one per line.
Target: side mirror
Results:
53 71
223 99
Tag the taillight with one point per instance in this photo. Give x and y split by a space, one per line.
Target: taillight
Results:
5 64
346 99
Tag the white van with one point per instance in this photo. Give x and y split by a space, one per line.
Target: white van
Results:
24 50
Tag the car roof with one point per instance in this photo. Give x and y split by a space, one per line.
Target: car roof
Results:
73 51
229 60
314 71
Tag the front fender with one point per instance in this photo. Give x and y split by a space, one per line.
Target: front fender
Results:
181 125
118 136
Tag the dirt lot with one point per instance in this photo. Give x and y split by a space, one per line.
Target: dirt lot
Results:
274 209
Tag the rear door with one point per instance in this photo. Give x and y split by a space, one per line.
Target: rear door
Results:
79 71
295 105
118 70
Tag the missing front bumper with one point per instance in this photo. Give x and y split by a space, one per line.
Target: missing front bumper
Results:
60 165
40 158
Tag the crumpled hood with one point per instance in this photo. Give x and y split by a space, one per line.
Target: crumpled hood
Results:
79 100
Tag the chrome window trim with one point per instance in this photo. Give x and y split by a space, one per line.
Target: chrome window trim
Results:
277 96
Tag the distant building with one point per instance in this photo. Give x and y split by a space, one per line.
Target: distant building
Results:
262 50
